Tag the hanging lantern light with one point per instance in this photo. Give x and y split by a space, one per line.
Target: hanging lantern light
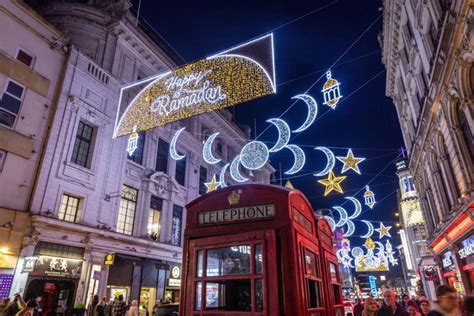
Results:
369 197
331 91
132 144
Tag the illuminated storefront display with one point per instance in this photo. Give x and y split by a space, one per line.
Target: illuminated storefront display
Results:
237 75
411 213
466 256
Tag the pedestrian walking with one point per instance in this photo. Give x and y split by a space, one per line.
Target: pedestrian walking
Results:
92 305
156 307
447 302
28 308
133 310
358 308
14 306
390 307
404 301
99 309
119 308
412 308
370 307
424 307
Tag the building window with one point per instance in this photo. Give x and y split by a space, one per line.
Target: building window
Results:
69 209
154 218
81 155
56 250
3 157
219 148
202 180
25 58
10 103
128 204
408 184
162 156
137 155
176 227
180 174
466 130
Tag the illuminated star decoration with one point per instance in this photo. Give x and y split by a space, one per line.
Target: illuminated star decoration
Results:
383 230
213 185
350 162
332 183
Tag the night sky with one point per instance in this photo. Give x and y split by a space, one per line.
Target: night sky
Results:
364 120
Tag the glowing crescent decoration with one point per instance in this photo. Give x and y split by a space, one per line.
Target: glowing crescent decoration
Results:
207 150
331 222
358 207
234 170
330 163
312 111
300 159
382 248
371 229
350 228
173 153
342 216
284 133
222 176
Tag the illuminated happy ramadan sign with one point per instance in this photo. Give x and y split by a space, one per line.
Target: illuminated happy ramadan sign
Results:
191 90
234 76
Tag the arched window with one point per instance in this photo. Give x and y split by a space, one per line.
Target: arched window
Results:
467 135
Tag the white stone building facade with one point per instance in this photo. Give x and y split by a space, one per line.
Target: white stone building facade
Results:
91 199
31 68
428 50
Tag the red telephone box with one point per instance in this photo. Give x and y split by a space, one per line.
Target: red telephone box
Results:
258 250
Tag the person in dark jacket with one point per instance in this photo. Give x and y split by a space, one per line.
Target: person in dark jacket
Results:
390 307
447 302
358 308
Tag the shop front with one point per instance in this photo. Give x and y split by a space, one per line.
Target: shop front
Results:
466 256
137 279
454 250
53 274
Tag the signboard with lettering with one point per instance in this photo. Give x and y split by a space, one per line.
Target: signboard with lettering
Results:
448 261
109 259
238 214
175 276
53 266
373 285
467 248
234 76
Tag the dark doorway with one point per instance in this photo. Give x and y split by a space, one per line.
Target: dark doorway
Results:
57 295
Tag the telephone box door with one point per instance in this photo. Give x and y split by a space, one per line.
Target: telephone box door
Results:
228 274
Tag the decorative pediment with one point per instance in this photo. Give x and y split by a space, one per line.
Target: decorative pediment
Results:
165 186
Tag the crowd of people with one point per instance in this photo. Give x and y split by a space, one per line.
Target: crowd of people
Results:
447 304
119 307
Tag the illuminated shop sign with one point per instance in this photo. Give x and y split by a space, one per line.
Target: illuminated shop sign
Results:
467 248
175 276
237 214
53 266
411 212
234 76
447 261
